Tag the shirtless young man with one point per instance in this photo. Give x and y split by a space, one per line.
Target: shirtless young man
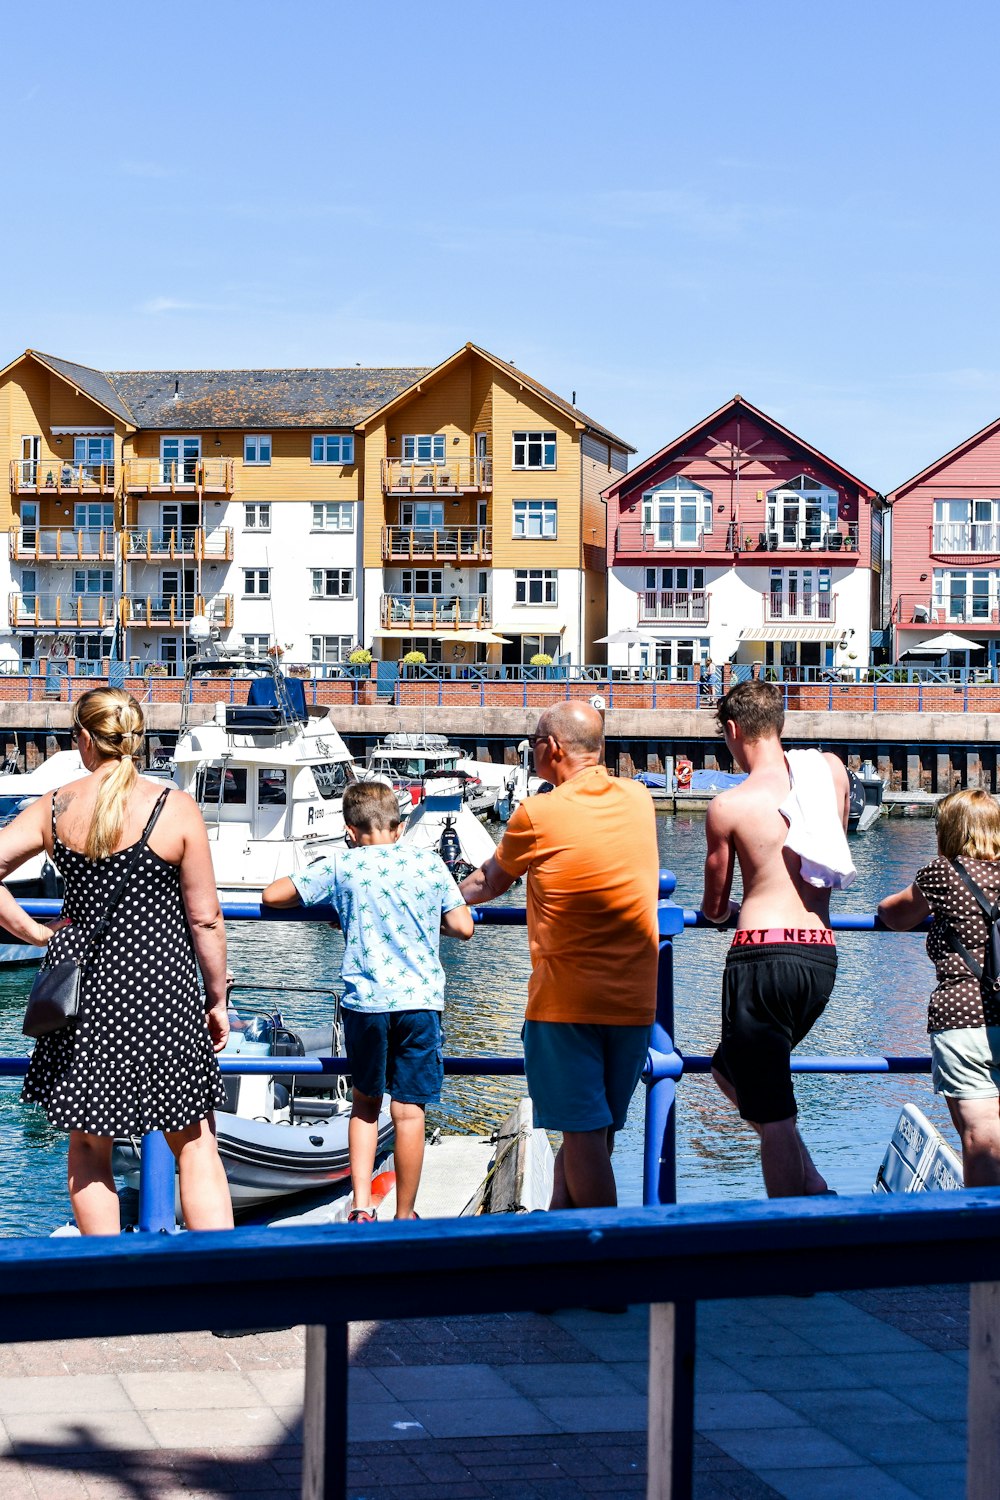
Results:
781 968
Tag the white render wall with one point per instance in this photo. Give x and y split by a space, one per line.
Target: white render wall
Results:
561 619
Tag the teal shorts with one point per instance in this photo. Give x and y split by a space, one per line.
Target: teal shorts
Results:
965 1062
582 1077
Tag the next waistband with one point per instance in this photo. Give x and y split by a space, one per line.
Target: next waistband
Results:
753 937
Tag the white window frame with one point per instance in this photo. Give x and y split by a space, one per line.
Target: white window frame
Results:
682 580
256 515
425 449
547 514
409 515
258 642
677 514
541 581
322 578
328 515
522 443
968 585
83 577
332 448
256 583
253 443
323 650
432 578
82 520
801 511
92 451
975 529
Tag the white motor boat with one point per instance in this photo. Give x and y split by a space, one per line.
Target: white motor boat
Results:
405 759
443 822
37 879
521 782
268 774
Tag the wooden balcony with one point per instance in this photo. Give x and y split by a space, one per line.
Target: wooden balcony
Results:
437 544
30 476
173 610
185 475
678 604
452 476
842 536
796 607
416 613
193 545
61 611
39 544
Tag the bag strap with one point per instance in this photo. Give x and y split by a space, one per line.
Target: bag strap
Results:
991 912
129 870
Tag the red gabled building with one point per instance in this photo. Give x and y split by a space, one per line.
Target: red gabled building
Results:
946 553
739 541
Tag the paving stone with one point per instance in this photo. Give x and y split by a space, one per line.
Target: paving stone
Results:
945 1402
742 1409
931 1481
28 1432
456 1382
869 1338
192 1390
840 1411
585 1413
223 1427
809 1372
286 1387
63 1394
569 1380
894 1372
785 1448
910 1442
387 1420
479 1418
836 1484
767 1340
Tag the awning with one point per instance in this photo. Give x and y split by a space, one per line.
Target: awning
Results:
470 637
828 634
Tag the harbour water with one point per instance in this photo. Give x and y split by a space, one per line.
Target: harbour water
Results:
880 1005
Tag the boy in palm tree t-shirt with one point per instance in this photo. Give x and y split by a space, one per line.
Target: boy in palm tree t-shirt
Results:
393 902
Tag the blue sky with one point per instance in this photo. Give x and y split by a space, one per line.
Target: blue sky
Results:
655 205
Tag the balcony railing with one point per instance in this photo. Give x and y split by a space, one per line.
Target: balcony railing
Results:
180 474
62 544
920 609
60 611
977 536
799 606
436 544
680 604
633 536
174 609
807 536
35 476
451 475
417 612
188 543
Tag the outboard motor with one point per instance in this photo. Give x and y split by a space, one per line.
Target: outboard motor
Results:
449 848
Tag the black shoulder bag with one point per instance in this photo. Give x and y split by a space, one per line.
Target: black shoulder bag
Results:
55 995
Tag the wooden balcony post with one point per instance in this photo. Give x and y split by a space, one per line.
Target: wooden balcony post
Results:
58 613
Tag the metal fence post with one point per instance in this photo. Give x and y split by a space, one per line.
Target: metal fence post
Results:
324 1428
156 1185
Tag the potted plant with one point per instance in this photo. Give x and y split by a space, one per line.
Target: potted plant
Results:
155 669
414 659
359 661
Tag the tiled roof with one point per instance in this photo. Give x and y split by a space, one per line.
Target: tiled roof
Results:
257 398
94 383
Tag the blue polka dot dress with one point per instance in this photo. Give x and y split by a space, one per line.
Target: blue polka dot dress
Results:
138 1056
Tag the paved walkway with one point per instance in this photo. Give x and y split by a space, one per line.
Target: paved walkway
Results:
860 1397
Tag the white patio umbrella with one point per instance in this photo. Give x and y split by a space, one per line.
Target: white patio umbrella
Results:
938 645
627 638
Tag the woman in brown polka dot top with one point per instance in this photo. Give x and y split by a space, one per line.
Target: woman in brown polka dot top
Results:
964 1016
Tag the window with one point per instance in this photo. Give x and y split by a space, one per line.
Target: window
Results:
258 644
257 516
801 513
93 450
534 450
682 658
425 515
332 448
90 516
967 525
966 594
532 645
535 586
331 649
800 594
669 579
29 587
424 448
422 583
332 777
272 787
257 448
93 580
677 513
337 515
332 583
257 583
535 518
210 789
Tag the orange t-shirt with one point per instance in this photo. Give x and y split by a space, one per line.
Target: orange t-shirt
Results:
589 851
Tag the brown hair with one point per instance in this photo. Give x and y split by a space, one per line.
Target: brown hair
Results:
968 824
371 806
757 709
114 721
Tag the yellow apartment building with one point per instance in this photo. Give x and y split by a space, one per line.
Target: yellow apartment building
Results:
453 509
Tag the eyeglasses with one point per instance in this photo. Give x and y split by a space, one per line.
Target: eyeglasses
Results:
543 739
74 735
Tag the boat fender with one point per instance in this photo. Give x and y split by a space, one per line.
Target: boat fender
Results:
684 770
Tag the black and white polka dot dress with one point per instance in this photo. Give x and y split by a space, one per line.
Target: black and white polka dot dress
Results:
138 1056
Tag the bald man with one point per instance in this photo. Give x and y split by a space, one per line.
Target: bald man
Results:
588 851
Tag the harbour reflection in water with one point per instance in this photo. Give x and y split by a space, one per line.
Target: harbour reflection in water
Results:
879 1005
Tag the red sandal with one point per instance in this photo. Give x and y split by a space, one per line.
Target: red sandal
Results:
362 1216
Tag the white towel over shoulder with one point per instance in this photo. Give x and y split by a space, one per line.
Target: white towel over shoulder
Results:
815 828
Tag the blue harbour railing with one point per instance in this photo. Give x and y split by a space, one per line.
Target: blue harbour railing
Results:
667 1256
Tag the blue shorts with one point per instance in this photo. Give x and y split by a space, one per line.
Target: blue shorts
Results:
582 1077
397 1052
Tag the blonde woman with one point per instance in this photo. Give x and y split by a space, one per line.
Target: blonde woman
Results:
140 1054
964 1018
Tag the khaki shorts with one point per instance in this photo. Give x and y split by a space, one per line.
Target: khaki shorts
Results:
965 1063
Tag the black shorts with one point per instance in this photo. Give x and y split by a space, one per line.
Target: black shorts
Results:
771 997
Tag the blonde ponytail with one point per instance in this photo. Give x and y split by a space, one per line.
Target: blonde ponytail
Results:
114 721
